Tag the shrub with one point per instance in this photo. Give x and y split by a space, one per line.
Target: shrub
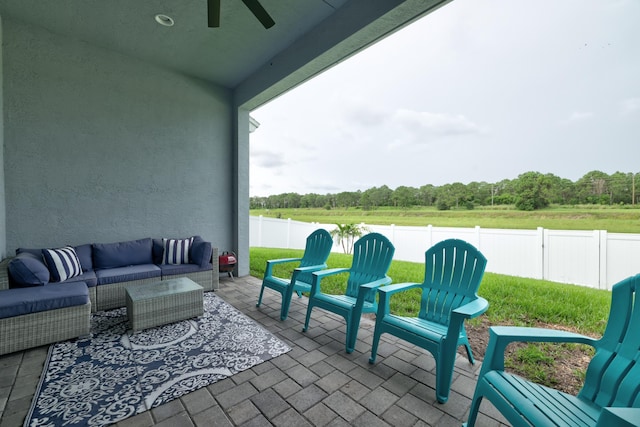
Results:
442 205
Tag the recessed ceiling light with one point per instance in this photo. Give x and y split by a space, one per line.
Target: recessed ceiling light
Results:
165 20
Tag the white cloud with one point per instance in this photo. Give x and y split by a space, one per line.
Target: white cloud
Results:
267 159
365 115
435 123
630 106
374 126
578 116
408 128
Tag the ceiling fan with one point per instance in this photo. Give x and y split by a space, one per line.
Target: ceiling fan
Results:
213 13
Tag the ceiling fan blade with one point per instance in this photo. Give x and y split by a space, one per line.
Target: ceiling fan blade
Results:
213 13
260 13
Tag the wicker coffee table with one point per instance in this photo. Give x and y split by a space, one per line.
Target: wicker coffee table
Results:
163 302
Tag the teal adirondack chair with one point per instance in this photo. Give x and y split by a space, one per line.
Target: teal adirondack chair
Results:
453 272
314 258
372 256
611 392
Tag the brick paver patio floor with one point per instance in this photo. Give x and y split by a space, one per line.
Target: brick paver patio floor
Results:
315 384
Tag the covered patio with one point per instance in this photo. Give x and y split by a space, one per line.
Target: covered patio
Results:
115 126
315 384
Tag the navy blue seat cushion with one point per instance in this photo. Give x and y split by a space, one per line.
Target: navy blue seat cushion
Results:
200 252
122 254
173 269
108 276
16 302
27 269
88 277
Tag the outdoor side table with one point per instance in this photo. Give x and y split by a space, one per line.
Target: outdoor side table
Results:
163 302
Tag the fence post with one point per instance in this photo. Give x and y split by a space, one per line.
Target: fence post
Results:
542 252
393 233
602 262
260 231
288 233
429 235
477 235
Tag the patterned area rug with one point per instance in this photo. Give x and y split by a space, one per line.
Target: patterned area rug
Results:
114 374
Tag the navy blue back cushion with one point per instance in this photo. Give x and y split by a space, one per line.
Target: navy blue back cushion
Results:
36 252
122 254
158 251
27 269
85 257
200 251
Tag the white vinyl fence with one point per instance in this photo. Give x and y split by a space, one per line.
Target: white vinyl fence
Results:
593 258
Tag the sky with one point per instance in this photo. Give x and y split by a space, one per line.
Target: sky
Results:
479 90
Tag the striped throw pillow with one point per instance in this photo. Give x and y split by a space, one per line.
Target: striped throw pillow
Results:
176 251
63 263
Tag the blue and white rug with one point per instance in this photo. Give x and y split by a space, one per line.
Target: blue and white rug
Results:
114 374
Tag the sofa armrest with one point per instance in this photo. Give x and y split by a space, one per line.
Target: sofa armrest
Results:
215 267
4 274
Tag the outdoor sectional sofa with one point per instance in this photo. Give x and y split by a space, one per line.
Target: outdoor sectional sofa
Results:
47 295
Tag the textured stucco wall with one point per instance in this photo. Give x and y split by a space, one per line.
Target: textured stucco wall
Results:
3 223
101 147
241 189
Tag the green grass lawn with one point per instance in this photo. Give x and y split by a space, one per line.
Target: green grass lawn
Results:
612 219
513 300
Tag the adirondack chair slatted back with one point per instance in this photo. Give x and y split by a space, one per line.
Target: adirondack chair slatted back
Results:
372 255
453 271
612 378
316 252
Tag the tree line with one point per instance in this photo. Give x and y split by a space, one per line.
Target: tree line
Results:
529 191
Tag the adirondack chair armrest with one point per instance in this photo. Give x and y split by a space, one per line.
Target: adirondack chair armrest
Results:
319 275
365 288
622 417
310 268
385 295
467 311
375 284
501 336
330 272
517 333
472 309
270 263
307 269
282 260
398 287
